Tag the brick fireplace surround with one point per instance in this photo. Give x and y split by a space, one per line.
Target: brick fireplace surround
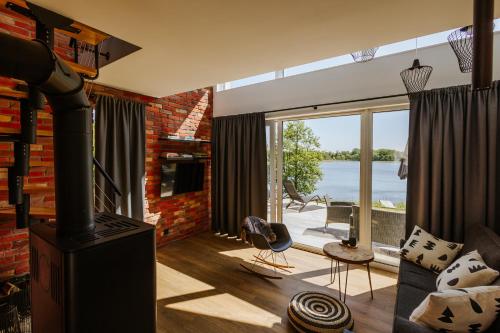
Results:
188 113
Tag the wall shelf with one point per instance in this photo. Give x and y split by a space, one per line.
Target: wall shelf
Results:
166 138
184 159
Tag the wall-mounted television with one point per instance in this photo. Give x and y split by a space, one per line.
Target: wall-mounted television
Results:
181 177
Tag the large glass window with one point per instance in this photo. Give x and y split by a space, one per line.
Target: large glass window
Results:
339 176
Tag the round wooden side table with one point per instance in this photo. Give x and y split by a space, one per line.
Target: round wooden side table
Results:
360 255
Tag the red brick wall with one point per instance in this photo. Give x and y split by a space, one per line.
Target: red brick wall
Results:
187 113
183 114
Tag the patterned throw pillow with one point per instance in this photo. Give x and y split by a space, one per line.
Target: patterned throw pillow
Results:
459 310
428 251
467 271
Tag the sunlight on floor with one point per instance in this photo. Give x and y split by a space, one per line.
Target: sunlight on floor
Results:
216 306
357 281
171 283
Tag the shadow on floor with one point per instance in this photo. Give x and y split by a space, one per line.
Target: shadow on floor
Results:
238 301
309 208
331 233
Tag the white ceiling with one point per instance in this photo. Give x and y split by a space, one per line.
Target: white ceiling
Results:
188 44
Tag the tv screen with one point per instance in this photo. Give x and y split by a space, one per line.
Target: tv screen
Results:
181 177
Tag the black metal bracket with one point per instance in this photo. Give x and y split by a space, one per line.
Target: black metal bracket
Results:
21 158
29 111
87 48
96 62
10 138
16 184
23 212
20 10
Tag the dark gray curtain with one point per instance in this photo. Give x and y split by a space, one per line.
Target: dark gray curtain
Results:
239 171
120 148
453 160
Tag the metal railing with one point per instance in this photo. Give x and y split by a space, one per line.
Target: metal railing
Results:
104 202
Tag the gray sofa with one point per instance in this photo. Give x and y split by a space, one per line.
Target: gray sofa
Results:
415 282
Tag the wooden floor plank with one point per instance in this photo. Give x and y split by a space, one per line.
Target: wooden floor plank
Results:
202 288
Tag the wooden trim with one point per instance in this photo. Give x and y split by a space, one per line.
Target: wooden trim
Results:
11 93
87 34
33 163
35 212
32 188
11 130
81 69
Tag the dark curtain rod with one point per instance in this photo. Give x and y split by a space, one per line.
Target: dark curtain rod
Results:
315 106
93 97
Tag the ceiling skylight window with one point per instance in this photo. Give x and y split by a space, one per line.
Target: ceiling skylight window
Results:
388 49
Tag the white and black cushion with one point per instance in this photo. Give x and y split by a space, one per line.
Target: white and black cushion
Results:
467 271
459 310
311 311
428 251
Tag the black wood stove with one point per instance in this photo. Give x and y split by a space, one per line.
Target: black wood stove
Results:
90 274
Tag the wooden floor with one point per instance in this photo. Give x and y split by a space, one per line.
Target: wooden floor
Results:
202 288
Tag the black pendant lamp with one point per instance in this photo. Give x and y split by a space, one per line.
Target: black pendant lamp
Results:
415 78
364 55
460 41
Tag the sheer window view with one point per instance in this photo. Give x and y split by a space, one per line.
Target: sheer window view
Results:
321 180
388 215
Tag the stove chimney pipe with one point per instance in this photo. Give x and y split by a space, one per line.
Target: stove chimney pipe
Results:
35 63
482 44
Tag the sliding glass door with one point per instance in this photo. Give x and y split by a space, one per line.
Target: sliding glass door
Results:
388 215
321 177
337 175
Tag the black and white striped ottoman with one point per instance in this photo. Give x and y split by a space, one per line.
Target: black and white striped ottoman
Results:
311 311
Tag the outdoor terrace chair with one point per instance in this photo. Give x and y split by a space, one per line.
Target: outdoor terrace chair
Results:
296 197
269 251
338 212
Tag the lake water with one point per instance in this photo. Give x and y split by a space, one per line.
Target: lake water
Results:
341 181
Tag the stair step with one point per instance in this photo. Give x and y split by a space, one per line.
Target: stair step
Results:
35 212
33 163
12 93
82 69
32 188
11 130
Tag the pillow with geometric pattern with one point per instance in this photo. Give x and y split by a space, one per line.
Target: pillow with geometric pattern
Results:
459 310
467 271
428 251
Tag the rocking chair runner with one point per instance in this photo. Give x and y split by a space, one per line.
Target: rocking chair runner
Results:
297 197
270 251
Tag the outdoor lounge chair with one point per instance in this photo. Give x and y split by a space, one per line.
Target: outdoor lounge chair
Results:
269 251
295 197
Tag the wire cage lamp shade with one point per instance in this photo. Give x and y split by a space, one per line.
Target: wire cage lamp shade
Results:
415 78
461 41
364 55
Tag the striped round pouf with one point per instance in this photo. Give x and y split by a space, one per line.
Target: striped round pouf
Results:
311 311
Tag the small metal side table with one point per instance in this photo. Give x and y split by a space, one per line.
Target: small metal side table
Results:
359 255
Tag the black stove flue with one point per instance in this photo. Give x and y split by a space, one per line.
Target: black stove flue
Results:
90 274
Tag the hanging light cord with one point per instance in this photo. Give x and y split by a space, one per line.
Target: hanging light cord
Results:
416 48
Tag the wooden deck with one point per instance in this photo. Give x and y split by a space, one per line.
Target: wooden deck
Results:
202 288
307 227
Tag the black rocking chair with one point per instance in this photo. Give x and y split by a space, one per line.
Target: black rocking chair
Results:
270 251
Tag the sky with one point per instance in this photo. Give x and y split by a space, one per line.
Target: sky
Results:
390 130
